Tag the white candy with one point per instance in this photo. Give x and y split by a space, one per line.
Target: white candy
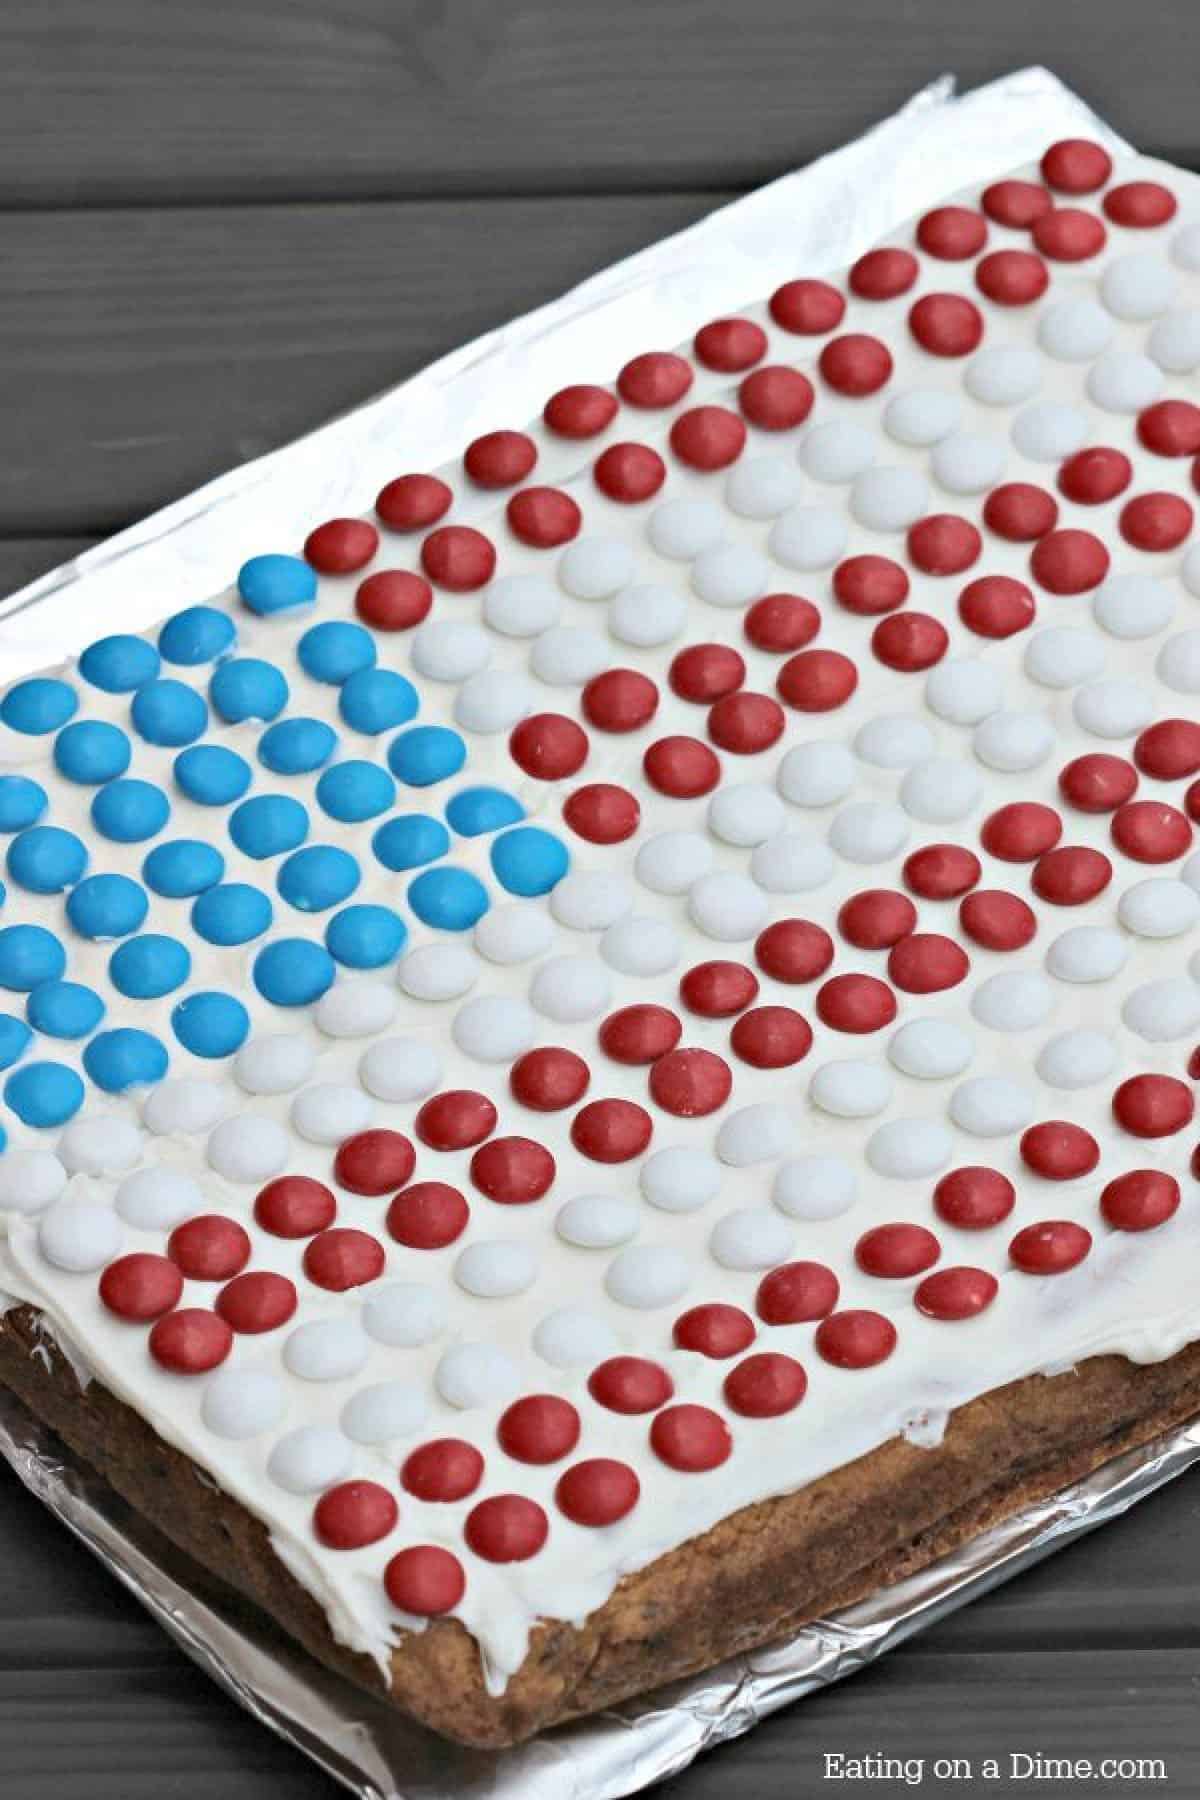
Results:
1113 709
1076 1059
869 831
494 700
326 1350
791 864
590 900
274 1064
838 451
1133 606
329 1111
30 1180
1178 662
514 933
1136 287
1124 381
646 616
355 1009
385 1411
569 655
494 1028
1185 248
763 487
729 575
79 1235
1087 953
1074 330
574 1339
647 1275
1013 741
1191 871
1159 907
440 971
817 773
246 1148
404 1314
1062 656
1014 1000
641 946
1003 375
670 862
921 416
242 1403
158 1199
99 1146
471 1375
682 529
941 791
521 606
727 906
495 1269
745 813
569 989
1162 1011
751 1238
1046 432
1175 342
184 1105
968 463
449 649
309 1459
597 1221
908 1149
808 537
755 1134
679 1179
894 741
963 690
889 499
399 1069
815 1187
991 1106
594 568
851 1089
931 1049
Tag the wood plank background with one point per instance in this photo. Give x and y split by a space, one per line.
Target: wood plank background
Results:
220 224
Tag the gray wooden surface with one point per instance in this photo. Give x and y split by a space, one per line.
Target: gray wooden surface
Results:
220 223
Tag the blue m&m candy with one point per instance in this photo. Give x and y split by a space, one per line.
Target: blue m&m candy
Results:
130 811
410 840
231 913
270 584
46 859
477 810
22 802
119 664
124 1058
15 1039
352 791
267 825
168 712
293 972
248 688
198 634
449 899
64 1009
29 954
40 704
107 906
296 746
211 1024
43 1094
425 754
334 650
182 867
365 937
375 700
212 774
318 877
145 967
91 751
529 860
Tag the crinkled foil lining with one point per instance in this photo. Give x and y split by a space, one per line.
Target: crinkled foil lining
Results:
816 219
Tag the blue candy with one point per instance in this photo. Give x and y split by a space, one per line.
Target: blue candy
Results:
426 754
335 650
44 1093
529 860
198 634
211 1024
365 937
248 688
232 913
293 971
15 1039
46 859
477 810
212 774
296 746
267 825
182 867
352 791
143 968
376 699
107 906
410 840
38 705
119 664
22 802
168 712
124 1058
130 811
318 877
64 1009
450 899
271 584
91 751
29 954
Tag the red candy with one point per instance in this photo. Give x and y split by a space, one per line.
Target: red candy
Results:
855 364
730 345
816 681
943 544
745 724
682 768
1150 831
942 871
540 1428
776 399
946 324
1153 1106
856 1003
500 459
717 990
619 700
140 1286
209 1248
597 1492
927 963
1067 234
996 606
393 600
1169 750
547 1079
974 1198
958 1293
997 920
870 585
580 411
294 1206
1050 1248
543 517
1091 477
882 274
1059 1150
428 1216
1156 522
425 1580
690 1083
876 919
1012 277
1021 831
714 1330
708 438
629 473
1076 166
1020 512
894 1252
691 1439
1170 428
856 1339
1097 782
444 1469
910 641
341 546
706 672
1069 562
257 1301
343 1258
630 1384
771 1037
640 1034
513 1170
1071 875
507 1528
353 1514
459 558
656 379
1018 204
457 1119
1140 205
952 233
796 1293
781 622
1140 1200
190 1341
413 502
765 1386
374 1162
793 950
601 813
549 746
611 1131
807 308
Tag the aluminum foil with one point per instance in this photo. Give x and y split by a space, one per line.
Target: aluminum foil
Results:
816 219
